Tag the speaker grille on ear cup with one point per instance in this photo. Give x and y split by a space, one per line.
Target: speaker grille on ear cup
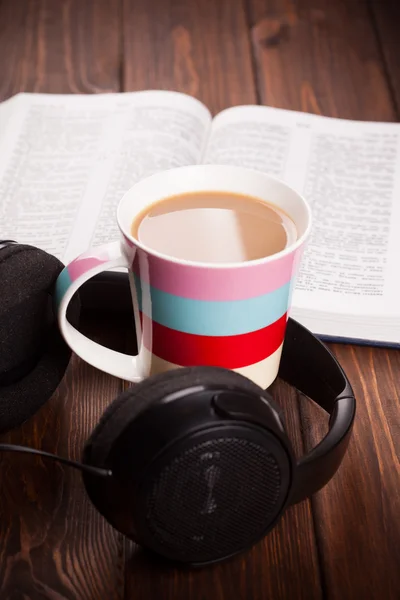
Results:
214 499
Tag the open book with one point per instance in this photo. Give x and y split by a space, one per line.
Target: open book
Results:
66 160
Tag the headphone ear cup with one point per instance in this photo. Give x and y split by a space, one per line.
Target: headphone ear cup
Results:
107 429
158 491
126 407
33 354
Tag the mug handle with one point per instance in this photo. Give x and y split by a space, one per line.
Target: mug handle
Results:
90 263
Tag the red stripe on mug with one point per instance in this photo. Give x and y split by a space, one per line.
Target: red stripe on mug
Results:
231 352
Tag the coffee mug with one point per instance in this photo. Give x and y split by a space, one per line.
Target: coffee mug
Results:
189 313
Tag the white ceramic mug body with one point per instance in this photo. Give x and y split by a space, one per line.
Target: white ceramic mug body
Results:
187 313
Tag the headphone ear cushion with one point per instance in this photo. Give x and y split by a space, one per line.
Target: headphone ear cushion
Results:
33 353
126 407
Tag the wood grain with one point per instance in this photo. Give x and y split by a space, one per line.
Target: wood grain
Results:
323 57
313 55
59 47
53 543
200 48
356 514
387 19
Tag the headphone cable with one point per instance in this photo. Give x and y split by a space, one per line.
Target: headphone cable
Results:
70 463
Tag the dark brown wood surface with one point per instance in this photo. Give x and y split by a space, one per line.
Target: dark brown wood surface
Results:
53 544
324 57
336 58
386 18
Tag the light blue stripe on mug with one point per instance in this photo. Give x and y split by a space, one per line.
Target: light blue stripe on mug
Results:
62 284
213 318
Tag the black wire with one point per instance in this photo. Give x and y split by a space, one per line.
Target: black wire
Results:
65 461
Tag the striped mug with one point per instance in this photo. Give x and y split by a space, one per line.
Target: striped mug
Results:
230 315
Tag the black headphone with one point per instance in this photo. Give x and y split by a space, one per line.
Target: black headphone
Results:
193 464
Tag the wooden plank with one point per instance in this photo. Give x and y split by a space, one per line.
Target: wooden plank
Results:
357 513
387 18
200 48
323 57
53 544
59 47
203 49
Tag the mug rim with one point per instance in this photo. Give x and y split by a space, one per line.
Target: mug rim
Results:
246 171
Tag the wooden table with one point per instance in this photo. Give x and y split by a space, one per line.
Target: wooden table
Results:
333 57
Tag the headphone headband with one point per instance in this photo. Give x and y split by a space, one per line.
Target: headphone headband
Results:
316 373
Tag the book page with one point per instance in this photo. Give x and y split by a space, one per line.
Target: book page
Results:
47 152
152 131
352 183
66 160
346 170
7 110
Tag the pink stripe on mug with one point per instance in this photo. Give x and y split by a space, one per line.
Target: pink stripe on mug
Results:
203 283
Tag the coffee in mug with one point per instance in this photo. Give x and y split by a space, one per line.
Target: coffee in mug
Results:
214 227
